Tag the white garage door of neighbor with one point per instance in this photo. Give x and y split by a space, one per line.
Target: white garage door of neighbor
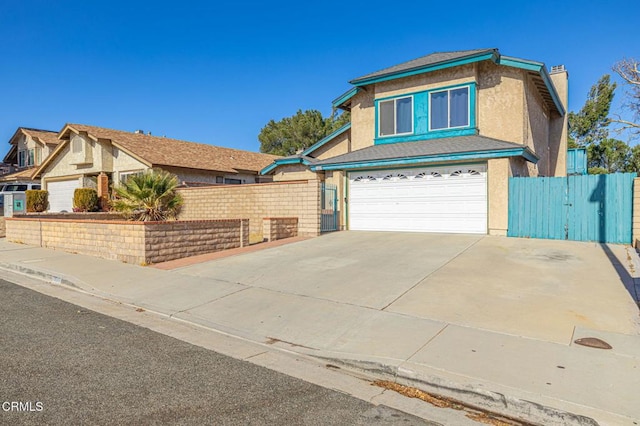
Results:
61 195
434 199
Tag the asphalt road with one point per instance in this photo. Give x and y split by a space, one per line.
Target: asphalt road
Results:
68 365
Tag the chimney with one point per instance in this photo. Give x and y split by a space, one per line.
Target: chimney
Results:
139 132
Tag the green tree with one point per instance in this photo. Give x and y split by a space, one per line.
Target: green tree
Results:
149 196
590 124
300 131
608 156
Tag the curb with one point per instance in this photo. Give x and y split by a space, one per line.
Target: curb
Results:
472 395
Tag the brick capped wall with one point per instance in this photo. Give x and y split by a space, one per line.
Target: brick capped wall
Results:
299 199
277 228
131 242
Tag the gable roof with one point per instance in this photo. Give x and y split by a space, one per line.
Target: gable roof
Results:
45 136
473 146
161 151
419 64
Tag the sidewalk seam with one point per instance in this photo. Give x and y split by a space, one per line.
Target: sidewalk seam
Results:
433 272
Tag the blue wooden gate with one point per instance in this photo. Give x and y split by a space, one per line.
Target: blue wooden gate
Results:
580 208
328 207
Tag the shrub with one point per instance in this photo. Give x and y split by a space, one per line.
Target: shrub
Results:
149 196
37 200
85 200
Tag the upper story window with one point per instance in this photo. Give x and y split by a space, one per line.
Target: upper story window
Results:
396 116
449 108
22 158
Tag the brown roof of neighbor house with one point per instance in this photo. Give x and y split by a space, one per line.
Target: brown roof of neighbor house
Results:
45 136
26 174
161 151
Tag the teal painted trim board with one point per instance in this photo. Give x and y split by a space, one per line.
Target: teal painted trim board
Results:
326 139
436 134
340 100
429 68
463 156
282 162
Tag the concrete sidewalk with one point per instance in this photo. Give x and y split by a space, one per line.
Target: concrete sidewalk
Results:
540 381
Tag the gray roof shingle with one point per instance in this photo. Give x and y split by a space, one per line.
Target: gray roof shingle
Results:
432 147
431 59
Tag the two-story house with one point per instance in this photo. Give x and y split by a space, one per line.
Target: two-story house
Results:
432 142
29 148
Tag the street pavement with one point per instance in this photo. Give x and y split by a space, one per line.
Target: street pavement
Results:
71 365
498 364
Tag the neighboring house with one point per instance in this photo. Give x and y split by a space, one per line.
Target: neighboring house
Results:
29 148
86 151
432 142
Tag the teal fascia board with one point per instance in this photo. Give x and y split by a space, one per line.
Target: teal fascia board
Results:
431 135
283 161
326 139
337 103
428 68
463 156
539 68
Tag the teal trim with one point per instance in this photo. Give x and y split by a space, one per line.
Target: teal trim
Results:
463 156
427 68
326 139
461 163
340 100
436 134
283 161
421 116
542 70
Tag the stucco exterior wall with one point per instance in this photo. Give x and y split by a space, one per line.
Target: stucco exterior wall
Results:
558 127
291 172
498 172
500 102
338 146
362 120
299 199
536 127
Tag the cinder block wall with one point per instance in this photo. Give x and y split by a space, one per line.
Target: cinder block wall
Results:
299 199
2 227
131 242
636 213
278 228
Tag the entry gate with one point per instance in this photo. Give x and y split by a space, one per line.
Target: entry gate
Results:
580 208
328 207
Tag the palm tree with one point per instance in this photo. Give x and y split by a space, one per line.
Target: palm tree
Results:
149 196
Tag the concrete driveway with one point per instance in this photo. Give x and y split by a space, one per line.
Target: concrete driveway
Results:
541 289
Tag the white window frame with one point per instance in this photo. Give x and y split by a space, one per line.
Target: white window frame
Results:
22 158
468 87
395 117
126 174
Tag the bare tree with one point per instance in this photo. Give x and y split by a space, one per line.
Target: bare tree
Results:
629 71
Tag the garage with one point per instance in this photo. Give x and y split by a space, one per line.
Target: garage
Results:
61 194
448 199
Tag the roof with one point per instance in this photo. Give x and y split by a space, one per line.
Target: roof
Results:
424 61
161 151
428 148
26 174
45 136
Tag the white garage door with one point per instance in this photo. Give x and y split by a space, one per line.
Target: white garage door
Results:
434 199
61 195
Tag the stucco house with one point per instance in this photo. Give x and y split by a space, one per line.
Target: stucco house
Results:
85 152
432 142
29 148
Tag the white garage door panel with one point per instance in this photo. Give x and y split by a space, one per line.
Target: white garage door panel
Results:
445 199
61 195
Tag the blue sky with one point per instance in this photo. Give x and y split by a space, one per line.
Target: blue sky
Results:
217 72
